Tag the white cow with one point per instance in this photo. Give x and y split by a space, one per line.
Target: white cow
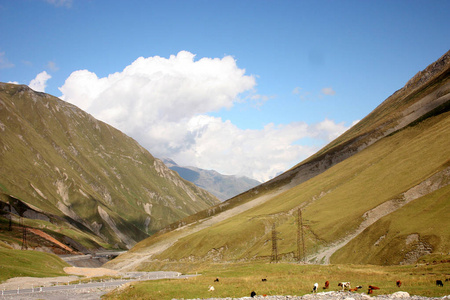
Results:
344 285
316 286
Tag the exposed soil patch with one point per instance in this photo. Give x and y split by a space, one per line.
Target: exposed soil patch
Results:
91 272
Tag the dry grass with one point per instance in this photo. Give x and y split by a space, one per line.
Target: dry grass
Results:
238 280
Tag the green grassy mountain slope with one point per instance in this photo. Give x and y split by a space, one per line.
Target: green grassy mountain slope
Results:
377 194
81 180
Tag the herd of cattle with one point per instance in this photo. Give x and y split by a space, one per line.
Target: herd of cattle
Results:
371 288
346 286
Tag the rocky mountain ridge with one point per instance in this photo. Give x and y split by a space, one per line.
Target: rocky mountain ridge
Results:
222 186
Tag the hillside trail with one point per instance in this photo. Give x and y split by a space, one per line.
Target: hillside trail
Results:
134 259
427 186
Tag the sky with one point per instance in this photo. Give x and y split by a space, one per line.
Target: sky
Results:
248 87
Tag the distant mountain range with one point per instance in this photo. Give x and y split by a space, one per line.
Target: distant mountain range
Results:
378 194
67 176
222 186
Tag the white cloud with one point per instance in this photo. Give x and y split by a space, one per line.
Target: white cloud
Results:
212 143
156 89
4 62
164 103
302 94
258 100
328 91
328 130
40 82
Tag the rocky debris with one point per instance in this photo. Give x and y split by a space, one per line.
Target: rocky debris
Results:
333 296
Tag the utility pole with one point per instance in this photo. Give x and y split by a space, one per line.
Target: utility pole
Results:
300 237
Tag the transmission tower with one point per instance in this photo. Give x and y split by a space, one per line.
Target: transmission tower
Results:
10 218
24 235
300 237
274 245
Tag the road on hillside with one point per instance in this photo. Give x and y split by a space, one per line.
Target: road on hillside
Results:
129 277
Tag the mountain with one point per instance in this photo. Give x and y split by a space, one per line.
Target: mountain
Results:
68 176
378 194
222 186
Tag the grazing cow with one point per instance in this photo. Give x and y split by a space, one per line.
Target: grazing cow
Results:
439 283
355 289
315 287
216 280
252 294
371 288
211 288
264 279
399 283
344 285
327 284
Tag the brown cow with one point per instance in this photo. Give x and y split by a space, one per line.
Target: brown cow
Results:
355 289
371 288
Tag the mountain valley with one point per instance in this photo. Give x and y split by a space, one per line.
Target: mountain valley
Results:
378 194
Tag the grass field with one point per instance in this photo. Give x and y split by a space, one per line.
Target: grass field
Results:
18 263
239 279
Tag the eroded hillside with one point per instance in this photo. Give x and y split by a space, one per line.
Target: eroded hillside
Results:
62 168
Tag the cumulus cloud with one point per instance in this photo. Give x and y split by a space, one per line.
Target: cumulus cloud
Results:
40 82
157 89
211 143
164 103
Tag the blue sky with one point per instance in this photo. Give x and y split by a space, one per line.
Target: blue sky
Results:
242 87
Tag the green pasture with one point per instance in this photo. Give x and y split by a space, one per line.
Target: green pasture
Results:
23 263
240 279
